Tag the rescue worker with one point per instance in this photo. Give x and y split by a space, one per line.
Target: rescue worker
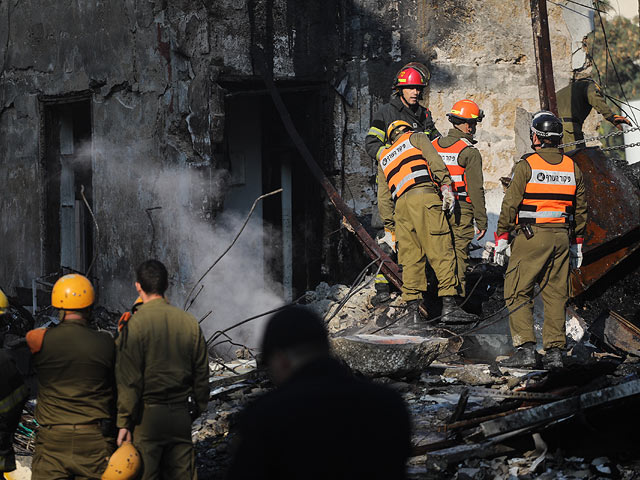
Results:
13 394
408 87
160 367
464 163
545 209
74 367
414 174
575 102
317 423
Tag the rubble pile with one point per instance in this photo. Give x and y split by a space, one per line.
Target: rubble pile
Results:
470 421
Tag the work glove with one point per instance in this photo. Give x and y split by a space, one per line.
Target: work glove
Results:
575 253
618 120
500 252
448 199
389 239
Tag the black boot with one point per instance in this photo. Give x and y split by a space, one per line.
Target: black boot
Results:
523 357
382 294
451 313
552 359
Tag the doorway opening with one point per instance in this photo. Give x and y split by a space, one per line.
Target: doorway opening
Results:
261 158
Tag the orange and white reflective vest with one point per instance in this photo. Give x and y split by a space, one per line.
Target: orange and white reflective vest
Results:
403 166
450 157
550 194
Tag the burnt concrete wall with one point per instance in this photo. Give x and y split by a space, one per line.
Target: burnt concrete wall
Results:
153 72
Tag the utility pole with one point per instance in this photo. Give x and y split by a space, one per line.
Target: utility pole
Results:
544 65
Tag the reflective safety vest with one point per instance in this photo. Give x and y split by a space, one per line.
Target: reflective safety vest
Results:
403 166
550 194
450 156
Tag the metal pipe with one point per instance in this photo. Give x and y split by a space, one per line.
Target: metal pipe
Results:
544 64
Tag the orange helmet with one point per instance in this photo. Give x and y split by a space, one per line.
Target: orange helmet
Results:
466 110
397 124
72 292
412 75
124 463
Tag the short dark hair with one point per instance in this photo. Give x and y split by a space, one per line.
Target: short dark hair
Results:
294 328
153 277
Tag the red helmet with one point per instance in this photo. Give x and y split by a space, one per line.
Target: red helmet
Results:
466 110
411 77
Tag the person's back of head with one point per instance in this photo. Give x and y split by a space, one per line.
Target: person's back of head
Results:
293 337
153 277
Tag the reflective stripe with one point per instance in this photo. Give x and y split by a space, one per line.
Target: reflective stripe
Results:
14 399
380 278
376 132
379 152
409 178
457 178
542 214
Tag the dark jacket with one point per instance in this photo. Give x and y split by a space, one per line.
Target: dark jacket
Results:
324 424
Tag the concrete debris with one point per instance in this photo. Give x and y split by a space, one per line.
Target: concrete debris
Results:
391 356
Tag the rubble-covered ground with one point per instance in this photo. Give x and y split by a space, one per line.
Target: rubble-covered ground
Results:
593 445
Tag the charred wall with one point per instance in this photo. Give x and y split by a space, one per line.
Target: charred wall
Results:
157 74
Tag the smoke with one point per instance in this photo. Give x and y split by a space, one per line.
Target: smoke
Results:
176 221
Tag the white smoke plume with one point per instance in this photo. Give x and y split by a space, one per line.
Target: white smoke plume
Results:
187 239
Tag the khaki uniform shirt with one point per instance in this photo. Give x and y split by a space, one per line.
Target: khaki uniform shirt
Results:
575 102
439 174
162 358
471 160
515 194
74 368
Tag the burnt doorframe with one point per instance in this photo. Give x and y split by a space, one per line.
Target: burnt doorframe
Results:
77 107
303 99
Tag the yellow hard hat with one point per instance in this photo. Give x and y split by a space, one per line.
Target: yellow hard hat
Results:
124 463
397 124
72 292
4 302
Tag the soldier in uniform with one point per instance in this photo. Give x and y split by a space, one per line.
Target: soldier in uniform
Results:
414 174
545 209
408 87
76 402
575 102
464 163
161 363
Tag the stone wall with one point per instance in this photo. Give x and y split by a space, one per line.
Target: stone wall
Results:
154 70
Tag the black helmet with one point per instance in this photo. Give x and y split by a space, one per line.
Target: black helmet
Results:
546 125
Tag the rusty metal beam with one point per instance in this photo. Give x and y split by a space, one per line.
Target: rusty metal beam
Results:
544 64
389 268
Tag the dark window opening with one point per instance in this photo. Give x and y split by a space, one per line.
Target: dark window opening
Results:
68 237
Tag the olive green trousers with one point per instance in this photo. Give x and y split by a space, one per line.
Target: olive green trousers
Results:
461 223
542 259
163 439
64 452
423 234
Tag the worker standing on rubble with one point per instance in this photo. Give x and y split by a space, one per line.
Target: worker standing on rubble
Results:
408 87
161 364
545 209
76 403
13 394
414 174
464 163
575 102
320 422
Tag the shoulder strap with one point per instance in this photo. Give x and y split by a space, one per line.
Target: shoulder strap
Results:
35 338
